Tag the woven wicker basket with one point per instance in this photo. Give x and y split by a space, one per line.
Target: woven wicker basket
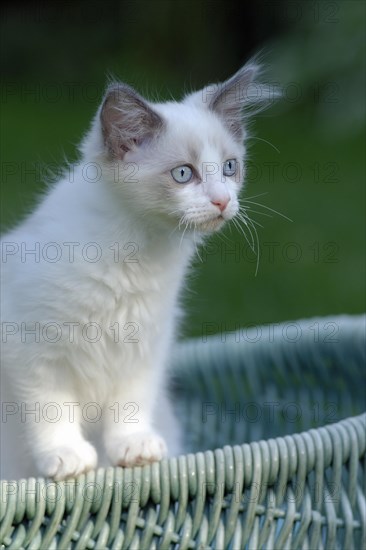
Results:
242 394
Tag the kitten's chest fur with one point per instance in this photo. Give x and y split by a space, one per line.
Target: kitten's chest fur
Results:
134 306
141 290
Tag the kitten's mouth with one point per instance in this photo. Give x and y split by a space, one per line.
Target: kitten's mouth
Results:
214 224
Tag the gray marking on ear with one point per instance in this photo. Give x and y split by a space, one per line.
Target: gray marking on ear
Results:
233 97
230 97
127 120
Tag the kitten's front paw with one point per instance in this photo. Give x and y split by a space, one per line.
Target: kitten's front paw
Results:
64 462
137 449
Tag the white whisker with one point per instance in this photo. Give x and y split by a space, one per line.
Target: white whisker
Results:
271 209
195 244
258 212
247 218
268 143
258 248
243 199
185 229
242 231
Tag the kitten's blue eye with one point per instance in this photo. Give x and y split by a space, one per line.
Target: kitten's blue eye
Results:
229 168
182 174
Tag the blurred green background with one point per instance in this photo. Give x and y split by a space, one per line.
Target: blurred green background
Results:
306 154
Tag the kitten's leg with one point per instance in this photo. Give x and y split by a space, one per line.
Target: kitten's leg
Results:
129 437
55 436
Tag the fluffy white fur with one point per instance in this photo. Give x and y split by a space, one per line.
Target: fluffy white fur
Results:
134 201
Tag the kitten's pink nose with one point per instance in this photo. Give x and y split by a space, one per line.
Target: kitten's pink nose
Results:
221 203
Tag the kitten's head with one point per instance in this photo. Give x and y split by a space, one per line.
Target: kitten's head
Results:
179 162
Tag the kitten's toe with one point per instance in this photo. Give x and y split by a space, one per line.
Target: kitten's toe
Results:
138 449
65 462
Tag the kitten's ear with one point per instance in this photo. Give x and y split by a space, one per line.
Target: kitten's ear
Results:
228 99
127 120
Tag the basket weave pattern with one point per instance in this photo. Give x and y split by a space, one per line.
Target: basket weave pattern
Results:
298 484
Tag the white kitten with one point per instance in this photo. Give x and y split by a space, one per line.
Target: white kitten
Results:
91 279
